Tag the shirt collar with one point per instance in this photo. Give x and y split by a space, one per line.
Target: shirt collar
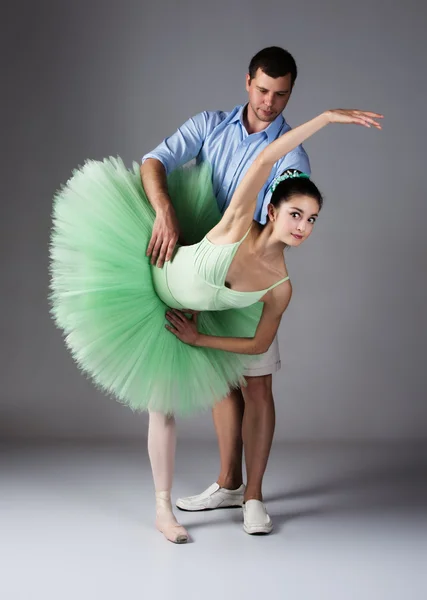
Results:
271 131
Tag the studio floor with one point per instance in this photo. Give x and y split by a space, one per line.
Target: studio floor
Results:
350 522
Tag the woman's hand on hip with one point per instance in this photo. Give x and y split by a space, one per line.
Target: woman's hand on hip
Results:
184 328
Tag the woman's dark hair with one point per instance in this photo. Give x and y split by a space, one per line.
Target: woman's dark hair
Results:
274 62
295 186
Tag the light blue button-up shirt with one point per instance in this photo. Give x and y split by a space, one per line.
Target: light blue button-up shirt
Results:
220 138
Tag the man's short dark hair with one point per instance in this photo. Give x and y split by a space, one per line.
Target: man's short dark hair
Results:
274 62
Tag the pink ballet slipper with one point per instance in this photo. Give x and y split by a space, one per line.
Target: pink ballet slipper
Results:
166 522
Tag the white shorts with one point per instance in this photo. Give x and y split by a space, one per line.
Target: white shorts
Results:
267 363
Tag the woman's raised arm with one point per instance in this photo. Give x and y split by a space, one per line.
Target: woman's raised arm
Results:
240 211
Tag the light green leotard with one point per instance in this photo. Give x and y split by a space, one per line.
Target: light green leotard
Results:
195 278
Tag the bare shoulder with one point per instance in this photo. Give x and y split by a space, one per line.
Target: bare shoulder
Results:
278 298
230 229
220 234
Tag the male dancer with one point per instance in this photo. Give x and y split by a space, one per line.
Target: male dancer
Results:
230 141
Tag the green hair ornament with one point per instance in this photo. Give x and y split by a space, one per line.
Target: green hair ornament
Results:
290 174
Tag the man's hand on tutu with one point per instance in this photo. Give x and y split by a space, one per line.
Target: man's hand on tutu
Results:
163 238
359 117
184 328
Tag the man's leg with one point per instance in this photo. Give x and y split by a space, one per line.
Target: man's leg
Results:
228 419
258 431
228 490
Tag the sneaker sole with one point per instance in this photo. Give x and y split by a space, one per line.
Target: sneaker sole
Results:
261 531
208 509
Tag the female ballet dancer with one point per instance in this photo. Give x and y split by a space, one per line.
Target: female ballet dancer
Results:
111 303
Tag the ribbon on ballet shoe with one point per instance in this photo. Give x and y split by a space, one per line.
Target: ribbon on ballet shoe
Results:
163 501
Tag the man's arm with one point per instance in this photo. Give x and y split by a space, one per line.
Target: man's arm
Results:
153 177
166 227
184 145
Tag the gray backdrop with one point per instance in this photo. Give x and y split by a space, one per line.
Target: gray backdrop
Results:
89 79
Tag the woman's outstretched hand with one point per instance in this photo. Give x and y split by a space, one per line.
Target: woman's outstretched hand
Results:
184 328
359 117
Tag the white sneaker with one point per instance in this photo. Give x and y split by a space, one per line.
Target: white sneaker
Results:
256 518
212 498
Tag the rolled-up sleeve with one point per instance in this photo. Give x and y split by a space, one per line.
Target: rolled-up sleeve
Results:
184 145
296 159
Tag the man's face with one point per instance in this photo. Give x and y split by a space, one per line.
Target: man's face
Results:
268 96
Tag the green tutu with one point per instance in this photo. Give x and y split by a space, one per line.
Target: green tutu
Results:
102 293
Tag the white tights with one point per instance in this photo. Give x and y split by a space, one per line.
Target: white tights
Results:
161 450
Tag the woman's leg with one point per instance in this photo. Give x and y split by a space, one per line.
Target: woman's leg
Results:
161 450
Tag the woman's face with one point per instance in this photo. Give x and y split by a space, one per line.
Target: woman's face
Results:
293 221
